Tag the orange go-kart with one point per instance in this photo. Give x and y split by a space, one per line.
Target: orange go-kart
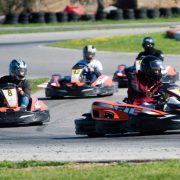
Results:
170 75
11 114
109 117
77 85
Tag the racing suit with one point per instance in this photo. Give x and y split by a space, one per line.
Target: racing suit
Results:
24 84
96 66
141 89
143 54
153 52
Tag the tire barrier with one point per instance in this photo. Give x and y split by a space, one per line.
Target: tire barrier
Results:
129 14
73 17
11 18
165 12
37 17
62 16
153 13
116 14
101 15
24 18
50 17
175 10
140 13
88 17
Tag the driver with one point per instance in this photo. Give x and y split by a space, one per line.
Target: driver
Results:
94 66
17 75
144 83
148 44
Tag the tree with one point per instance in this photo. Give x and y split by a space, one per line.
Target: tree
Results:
9 6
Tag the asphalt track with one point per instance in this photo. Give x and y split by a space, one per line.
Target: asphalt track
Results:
57 141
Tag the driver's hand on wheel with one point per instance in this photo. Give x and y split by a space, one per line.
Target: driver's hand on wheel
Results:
20 91
91 69
149 94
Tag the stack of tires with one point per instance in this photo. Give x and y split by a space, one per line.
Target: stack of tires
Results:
115 14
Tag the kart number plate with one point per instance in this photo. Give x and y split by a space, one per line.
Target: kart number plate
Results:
138 64
11 97
75 75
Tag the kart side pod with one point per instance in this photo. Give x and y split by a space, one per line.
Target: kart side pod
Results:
104 111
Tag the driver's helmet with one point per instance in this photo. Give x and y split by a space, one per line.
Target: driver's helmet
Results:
89 52
152 67
148 43
18 69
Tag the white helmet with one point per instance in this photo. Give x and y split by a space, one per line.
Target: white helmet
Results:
89 52
18 69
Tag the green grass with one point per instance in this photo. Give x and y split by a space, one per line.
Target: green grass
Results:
36 82
163 170
124 43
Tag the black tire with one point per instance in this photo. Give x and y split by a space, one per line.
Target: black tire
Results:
94 135
50 17
140 13
73 17
24 18
101 15
88 17
129 14
62 16
11 18
37 17
116 14
86 126
165 12
175 10
153 13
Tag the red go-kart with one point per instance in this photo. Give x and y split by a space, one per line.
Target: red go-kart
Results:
170 75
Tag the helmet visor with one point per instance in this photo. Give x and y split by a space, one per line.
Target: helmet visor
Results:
21 72
156 65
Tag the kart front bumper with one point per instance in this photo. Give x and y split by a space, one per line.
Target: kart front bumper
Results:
19 118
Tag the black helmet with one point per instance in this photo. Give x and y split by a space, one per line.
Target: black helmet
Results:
89 52
152 67
18 69
148 43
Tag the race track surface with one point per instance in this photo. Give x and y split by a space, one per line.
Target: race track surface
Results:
57 141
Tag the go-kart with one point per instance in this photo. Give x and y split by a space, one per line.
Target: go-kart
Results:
109 117
11 114
77 85
170 75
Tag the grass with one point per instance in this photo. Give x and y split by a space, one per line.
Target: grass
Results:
123 43
36 82
164 170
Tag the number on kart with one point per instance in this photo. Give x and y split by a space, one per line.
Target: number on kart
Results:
9 92
76 71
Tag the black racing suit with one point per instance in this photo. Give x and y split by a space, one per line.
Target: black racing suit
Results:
153 52
24 84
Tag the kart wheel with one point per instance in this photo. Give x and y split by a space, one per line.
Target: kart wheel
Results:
93 135
155 132
85 126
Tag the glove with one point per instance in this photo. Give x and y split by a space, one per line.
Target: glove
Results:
149 94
